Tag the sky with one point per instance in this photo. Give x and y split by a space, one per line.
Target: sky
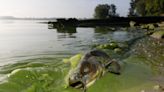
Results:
57 8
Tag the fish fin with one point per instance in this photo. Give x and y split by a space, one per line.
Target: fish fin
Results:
99 53
113 67
114 72
84 89
73 61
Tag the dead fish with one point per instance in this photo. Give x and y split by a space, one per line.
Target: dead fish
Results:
91 67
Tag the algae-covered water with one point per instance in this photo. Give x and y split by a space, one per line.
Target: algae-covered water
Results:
31 58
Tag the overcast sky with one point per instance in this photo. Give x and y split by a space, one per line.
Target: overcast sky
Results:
57 8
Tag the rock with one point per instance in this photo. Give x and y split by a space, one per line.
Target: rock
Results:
132 23
111 45
158 34
151 26
142 90
161 25
118 50
100 47
156 87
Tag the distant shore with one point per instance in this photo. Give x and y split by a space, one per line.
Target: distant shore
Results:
30 18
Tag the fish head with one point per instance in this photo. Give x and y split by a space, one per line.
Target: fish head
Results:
75 80
85 74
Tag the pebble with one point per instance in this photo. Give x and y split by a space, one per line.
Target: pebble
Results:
156 87
142 90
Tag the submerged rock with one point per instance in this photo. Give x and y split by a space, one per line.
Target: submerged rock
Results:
111 45
118 50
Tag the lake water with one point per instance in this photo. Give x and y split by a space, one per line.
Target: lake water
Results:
31 58
27 39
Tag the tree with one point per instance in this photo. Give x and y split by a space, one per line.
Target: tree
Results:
132 9
140 7
112 10
103 11
155 7
149 7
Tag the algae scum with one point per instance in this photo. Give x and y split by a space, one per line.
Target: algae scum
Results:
141 61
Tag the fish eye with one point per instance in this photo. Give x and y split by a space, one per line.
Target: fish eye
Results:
76 76
86 70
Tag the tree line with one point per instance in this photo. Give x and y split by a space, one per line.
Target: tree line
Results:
146 8
105 11
137 8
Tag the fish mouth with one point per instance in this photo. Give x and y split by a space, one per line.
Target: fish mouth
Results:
77 84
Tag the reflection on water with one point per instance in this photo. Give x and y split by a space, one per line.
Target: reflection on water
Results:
66 30
103 29
66 35
120 35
